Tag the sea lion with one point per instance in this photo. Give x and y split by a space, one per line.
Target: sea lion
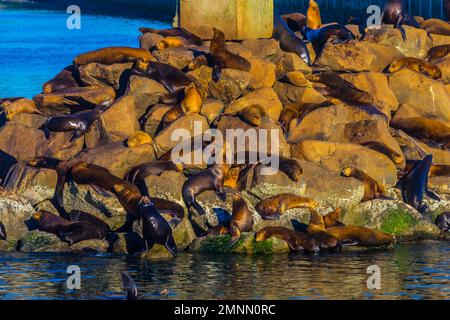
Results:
129 286
289 41
427 130
3 235
317 230
273 207
361 236
296 240
319 37
396 12
102 226
66 231
155 229
313 20
436 26
417 65
153 168
291 168
443 223
289 113
332 219
199 61
295 21
209 179
372 189
171 42
113 55
63 80
232 178
252 115
223 58
78 123
392 154
415 184
174 32
137 139
437 53
18 106
436 170
168 118
7 162
193 101
241 219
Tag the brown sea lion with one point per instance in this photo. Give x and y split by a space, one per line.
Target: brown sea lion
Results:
332 219
174 32
153 168
3 235
437 53
291 168
436 170
232 178
289 113
317 230
66 231
168 118
113 55
63 80
241 219
252 115
171 42
313 20
272 208
427 130
361 236
224 58
436 26
372 189
102 227
199 61
138 138
417 65
295 239
392 154
295 21
18 106
78 123
193 100
396 12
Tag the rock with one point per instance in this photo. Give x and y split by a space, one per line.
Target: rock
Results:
416 45
148 40
358 56
14 211
166 186
154 117
263 48
232 85
394 217
34 185
176 57
211 109
217 211
441 185
263 72
335 156
245 245
427 95
157 253
126 243
146 92
192 124
305 97
28 120
287 61
265 97
407 111
100 75
72 100
439 40
444 65
117 123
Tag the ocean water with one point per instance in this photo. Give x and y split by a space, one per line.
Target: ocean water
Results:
36 44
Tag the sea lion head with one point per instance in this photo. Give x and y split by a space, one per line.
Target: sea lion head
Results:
347 171
141 64
398 160
162 44
261 235
137 139
252 115
47 88
219 36
118 188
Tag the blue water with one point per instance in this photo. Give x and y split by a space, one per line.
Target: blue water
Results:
36 44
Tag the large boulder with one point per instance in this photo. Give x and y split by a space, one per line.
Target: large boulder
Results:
100 75
211 109
335 156
305 97
407 111
444 65
263 48
148 40
263 72
146 92
14 211
176 57
154 117
287 62
166 186
28 120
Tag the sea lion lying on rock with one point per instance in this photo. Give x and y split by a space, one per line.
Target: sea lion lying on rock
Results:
102 227
417 65
437 53
361 236
296 240
113 55
174 32
63 80
272 208
17 106
372 189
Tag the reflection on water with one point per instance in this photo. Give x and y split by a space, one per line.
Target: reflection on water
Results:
412 271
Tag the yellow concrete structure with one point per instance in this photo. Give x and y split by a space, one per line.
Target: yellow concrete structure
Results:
238 19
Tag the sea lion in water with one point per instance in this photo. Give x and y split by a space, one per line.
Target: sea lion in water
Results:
137 139
436 26
129 286
396 13
361 236
78 123
155 229
223 58
113 55
289 41
61 81
417 65
18 106
415 184
153 168
174 32
193 101
372 189
273 207
317 230
313 20
332 219
3 235
66 231
443 223
102 226
437 53
296 240
241 219
295 21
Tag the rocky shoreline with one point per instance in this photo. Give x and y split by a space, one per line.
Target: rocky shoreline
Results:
322 140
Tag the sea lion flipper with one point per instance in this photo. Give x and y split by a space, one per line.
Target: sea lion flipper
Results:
402 30
170 245
432 195
129 286
100 191
217 72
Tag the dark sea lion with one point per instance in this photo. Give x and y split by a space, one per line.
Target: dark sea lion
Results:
361 236
63 80
427 130
396 13
436 26
3 235
174 32
153 168
168 118
156 230
209 179
443 223
320 37
332 219
417 65
415 184
102 226
436 170
372 189
313 19
170 77
7 162
289 41
66 231
296 240
199 61
291 168
113 55
317 230
223 58
295 21
241 219
78 123
289 113
129 286
17 106
273 207
437 53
